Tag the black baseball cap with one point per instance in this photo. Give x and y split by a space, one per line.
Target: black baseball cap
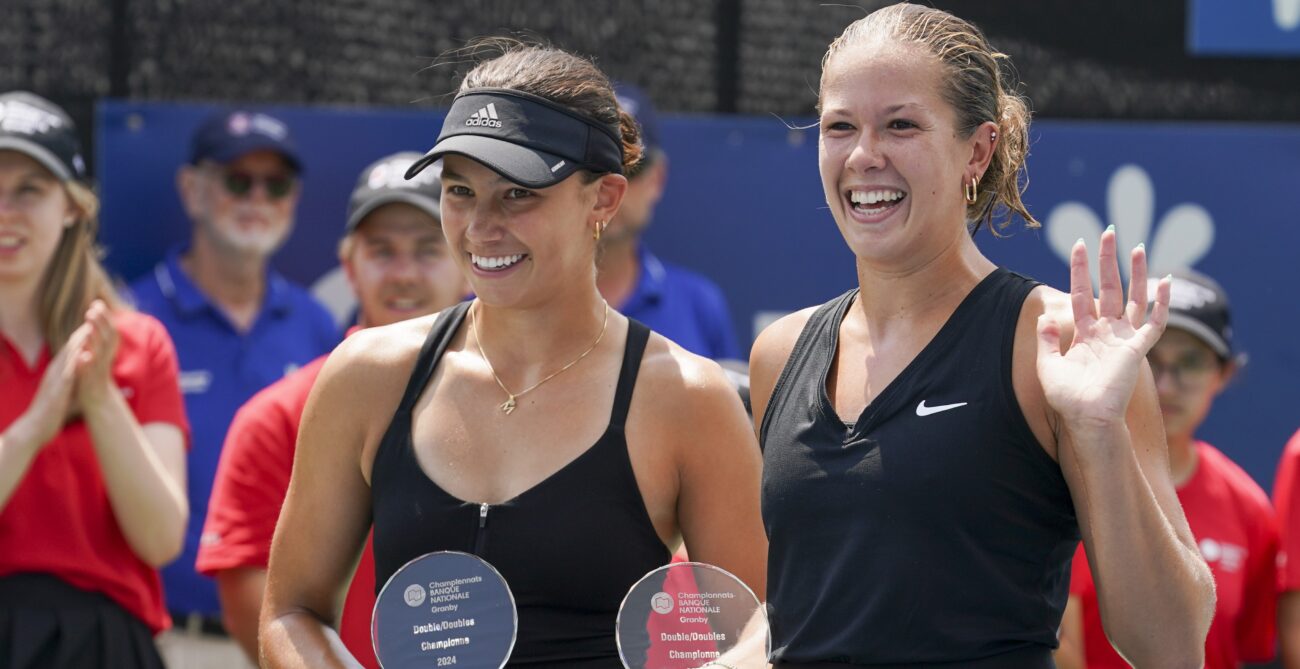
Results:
385 182
525 138
32 125
1199 306
227 135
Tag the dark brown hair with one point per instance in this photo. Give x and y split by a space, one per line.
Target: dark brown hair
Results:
979 84
559 76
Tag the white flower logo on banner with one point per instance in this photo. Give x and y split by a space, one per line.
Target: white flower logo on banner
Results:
1184 236
1286 13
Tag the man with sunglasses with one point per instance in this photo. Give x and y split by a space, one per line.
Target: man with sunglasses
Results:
238 327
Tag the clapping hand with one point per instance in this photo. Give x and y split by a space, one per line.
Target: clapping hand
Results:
94 362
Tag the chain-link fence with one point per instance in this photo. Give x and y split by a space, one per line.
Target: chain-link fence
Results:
1100 59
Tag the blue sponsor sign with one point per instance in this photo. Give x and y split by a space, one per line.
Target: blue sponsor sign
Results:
1244 27
744 206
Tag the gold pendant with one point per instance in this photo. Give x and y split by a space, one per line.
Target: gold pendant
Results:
508 405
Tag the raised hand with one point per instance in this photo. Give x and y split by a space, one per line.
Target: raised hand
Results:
94 362
1089 383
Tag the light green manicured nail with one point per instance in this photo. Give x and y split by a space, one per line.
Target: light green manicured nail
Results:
1110 228
1142 245
1079 241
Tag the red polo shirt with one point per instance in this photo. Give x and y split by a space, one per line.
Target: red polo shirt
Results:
1234 526
59 520
251 483
1286 497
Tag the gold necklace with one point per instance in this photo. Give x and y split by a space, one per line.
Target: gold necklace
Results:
509 405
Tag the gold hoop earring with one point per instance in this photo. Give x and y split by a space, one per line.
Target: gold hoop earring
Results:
971 190
600 227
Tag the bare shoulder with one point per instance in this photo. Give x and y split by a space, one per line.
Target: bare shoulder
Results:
382 350
679 379
1042 300
776 341
374 364
1050 301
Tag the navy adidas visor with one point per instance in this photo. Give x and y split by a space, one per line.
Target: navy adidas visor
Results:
525 138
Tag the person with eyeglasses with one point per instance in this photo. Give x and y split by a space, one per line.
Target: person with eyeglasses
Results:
1229 513
238 327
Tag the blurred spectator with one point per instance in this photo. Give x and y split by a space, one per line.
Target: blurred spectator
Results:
397 262
675 302
92 427
1286 495
238 326
1229 514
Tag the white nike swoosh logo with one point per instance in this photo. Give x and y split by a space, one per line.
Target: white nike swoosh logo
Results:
923 410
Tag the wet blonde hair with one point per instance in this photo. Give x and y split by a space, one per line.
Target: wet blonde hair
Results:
74 276
979 83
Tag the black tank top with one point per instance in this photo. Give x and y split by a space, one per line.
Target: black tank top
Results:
934 529
570 547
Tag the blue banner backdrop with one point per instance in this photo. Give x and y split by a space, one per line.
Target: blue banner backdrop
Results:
744 206
1269 28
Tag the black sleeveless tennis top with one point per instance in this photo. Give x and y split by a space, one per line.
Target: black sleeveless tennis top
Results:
934 529
570 547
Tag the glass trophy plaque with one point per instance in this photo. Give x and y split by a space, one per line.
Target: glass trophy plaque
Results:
445 609
688 614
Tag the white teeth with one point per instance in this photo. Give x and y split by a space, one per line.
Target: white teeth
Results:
10 241
874 196
496 262
403 304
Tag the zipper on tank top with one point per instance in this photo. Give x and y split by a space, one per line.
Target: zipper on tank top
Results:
480 536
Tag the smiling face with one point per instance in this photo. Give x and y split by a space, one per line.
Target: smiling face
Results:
519 246
399 266
34 212
891 157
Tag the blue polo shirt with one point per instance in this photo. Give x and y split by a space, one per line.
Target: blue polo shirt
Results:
682 306
220 368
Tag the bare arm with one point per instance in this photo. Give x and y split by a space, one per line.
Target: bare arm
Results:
1070 655
1155 593
324 521
240 591
1288 628
143 466
719 469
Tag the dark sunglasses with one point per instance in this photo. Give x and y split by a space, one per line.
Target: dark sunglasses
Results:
240 184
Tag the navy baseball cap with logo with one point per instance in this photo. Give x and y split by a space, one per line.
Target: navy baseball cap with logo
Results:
525 138
384 182
1199 306
32 125
227 135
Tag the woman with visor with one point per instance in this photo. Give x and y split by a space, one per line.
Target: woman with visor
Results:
566 445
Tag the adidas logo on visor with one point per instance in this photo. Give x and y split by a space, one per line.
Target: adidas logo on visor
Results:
485 117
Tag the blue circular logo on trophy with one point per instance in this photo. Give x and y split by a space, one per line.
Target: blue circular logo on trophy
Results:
444 609
686 615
